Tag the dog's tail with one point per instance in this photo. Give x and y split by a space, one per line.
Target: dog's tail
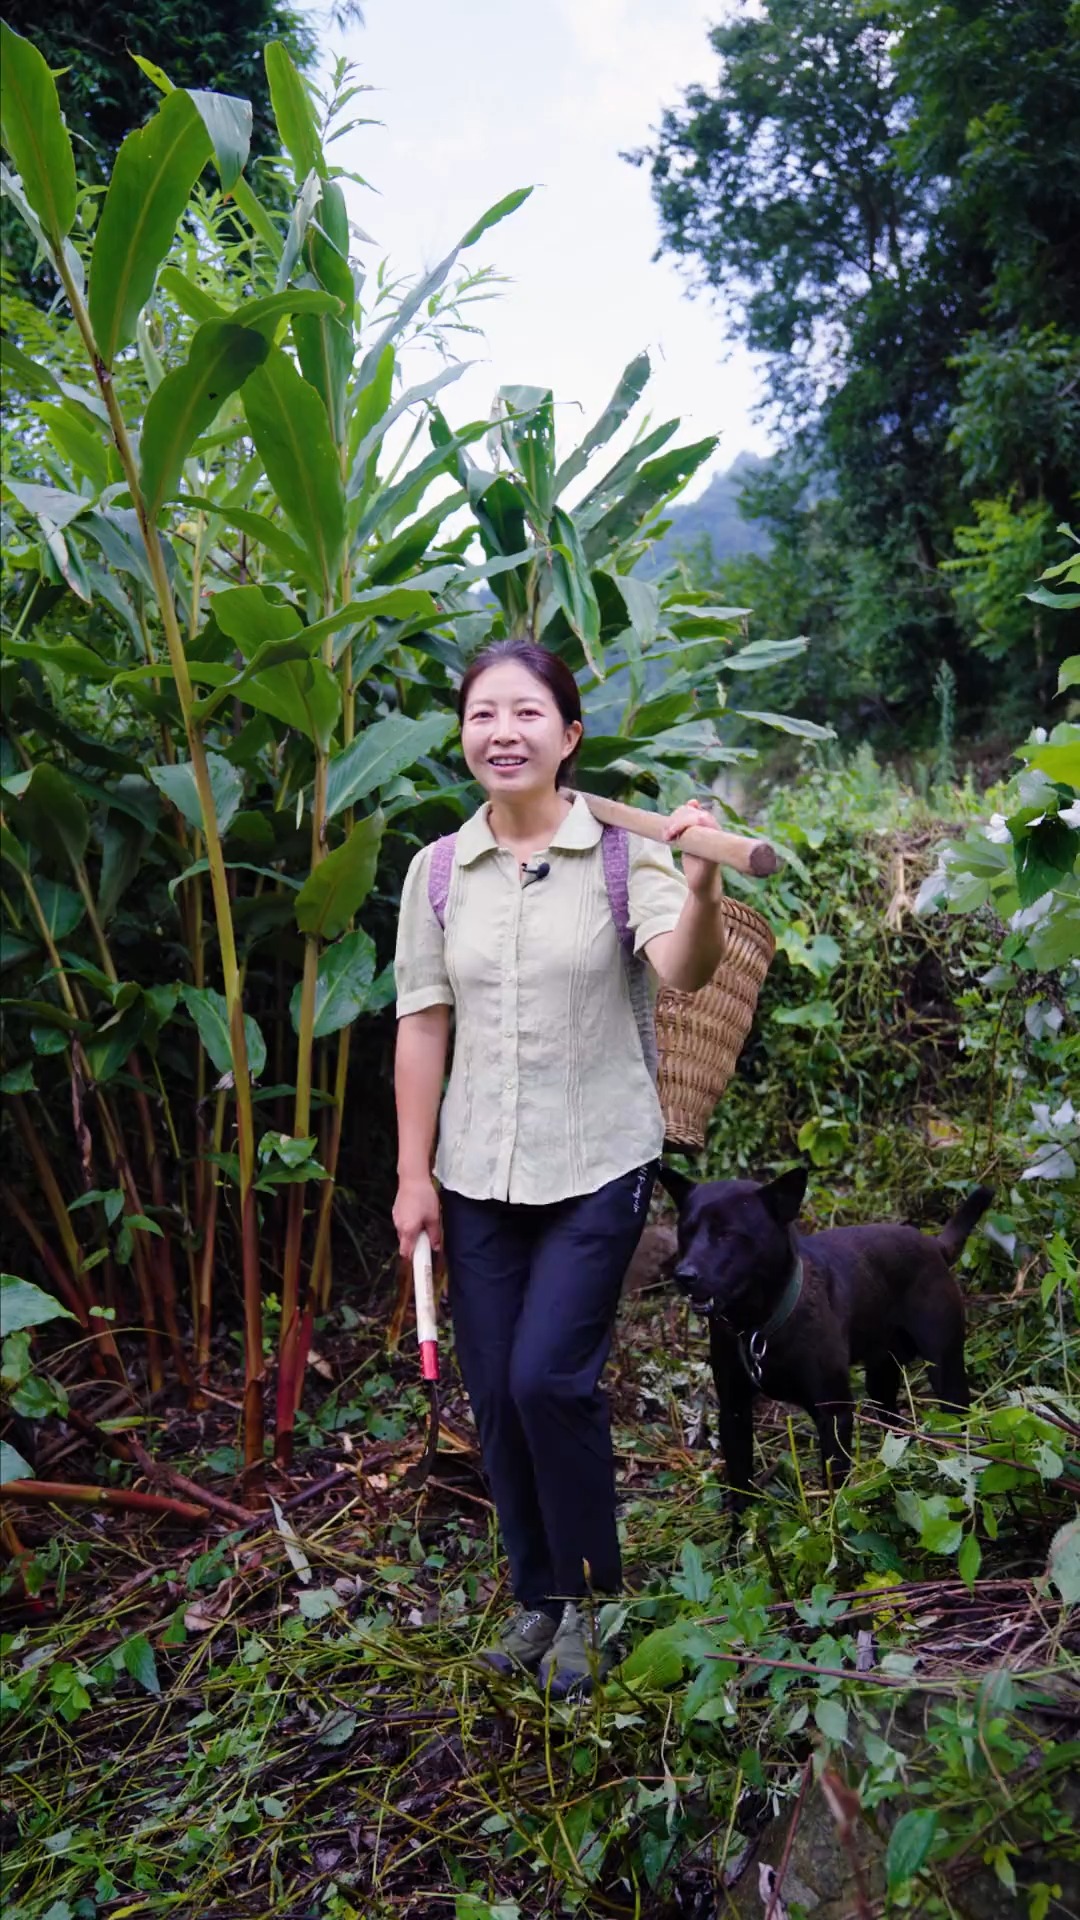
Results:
953 1235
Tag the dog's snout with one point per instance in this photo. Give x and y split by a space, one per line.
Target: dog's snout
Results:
686 1277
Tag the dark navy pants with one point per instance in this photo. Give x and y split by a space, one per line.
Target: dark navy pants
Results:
533 1297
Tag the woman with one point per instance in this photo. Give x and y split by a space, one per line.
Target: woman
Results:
550 1128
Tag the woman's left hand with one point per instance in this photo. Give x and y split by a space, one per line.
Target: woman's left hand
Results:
703 877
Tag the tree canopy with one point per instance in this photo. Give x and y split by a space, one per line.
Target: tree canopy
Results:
883 198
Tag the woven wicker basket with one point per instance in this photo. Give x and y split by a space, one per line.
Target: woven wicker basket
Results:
699 1036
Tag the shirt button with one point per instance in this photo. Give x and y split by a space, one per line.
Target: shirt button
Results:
509 1086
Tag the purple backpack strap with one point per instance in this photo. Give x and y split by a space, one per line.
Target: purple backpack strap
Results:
615 848
440 871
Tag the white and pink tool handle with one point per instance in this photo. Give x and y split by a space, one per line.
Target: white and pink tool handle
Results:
427 1332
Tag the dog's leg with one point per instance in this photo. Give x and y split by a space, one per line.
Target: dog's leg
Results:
735 1400
948 1378
834 1416
883 1383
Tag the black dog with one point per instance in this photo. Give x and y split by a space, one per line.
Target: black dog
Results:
790 1313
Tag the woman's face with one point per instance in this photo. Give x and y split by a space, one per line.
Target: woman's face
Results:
512 734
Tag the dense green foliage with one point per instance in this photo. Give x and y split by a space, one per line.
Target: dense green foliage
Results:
106 92
886 200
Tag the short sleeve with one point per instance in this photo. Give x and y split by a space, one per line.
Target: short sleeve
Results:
657 890
419 962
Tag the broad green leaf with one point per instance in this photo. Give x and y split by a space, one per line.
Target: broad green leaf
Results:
379 754
642 602
656 1661
80 442
227 119
13 1466
18 1079
375 384
341 883
384 603
509 203
191 299
61 906
1046 853
257 217
761 654
62 656
618 477
301 693
909 1845
22 1304
48 811
292 434
969 1560
137 1658
210 1014
831 1716
248 616
155 170
1069 676
266 314
1044 597
1059 759
177 783
573 587
346 971
527 431
629 390
33 131
786 723
656 482
293 112
11 849
219 360
53 507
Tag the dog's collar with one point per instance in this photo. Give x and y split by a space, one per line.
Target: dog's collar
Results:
754 1346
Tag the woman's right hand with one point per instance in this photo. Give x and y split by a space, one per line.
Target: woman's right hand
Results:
416 1211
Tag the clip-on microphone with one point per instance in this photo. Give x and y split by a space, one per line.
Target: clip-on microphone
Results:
538 872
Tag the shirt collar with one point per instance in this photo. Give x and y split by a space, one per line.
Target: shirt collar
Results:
579 831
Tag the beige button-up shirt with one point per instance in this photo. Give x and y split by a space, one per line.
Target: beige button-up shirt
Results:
549 1094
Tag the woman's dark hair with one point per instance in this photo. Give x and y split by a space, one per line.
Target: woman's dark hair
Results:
546 667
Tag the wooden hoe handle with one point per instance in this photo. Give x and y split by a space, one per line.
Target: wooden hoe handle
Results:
734 850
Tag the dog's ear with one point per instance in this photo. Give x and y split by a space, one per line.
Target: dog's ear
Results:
784 1195
679 1185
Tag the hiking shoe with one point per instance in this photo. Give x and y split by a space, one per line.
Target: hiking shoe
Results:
522 1643
574 1658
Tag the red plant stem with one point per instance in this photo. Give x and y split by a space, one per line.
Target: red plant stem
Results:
163 1260
71 1495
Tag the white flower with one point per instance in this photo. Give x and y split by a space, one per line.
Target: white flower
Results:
998 830
1037 737
1071 815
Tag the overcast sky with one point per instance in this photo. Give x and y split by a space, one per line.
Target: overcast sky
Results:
480 96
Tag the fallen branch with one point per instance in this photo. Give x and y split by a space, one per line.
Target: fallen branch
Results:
155 1470
65 1494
